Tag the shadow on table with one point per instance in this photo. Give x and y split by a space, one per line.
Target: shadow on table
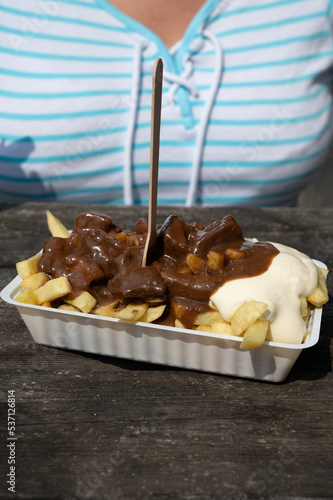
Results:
128 364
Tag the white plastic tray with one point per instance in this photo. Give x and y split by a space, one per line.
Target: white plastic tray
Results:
160 344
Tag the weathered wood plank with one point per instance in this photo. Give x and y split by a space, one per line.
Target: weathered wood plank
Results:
105 428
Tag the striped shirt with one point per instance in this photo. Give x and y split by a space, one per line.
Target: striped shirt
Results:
246 112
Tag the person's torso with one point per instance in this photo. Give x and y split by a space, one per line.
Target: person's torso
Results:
246 116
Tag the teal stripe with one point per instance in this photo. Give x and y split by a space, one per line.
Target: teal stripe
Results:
225 199
161 201
264 83
151 58
268 64
148 91
279 142
59 38
28 74
62 57
142 145
255 8
161 184
62 194
81 4
283 62
282 22
244 199
60 158
266 163
145 107
296 119
165 123
61 176
329 9
36 15
117 201
261 182
277 43
166 184
60 116
163 164
63 137
61 95
264 102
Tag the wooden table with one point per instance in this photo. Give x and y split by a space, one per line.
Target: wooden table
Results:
93 427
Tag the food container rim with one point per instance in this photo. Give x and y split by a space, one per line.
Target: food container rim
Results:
11 291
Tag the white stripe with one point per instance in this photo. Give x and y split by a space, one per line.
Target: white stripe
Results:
86 114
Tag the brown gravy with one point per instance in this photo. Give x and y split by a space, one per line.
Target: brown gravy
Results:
101 258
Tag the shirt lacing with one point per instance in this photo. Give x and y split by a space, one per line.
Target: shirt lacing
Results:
177 81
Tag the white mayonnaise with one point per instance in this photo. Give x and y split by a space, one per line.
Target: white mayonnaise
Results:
290 276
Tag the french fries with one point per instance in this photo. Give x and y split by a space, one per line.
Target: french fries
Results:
320 295
35 281
132 312
208 318
247 314
248 322
28 267
56 228
52 290
255 334
85 302
152 314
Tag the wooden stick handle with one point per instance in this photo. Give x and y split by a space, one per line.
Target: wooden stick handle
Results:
154 157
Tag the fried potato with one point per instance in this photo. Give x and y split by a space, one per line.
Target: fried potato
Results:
123 237
234 253
132 312
108 310
47 303
179 324
305 310
222 328
53 289
185 270
152 314
68 307
195 263
56 228
208 318
247 314
155 301
204 328
320 295
215 260
27 297
85 302
304 307
28 267
35 281
255 334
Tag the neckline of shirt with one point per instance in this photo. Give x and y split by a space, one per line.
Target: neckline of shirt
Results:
174 55
180 47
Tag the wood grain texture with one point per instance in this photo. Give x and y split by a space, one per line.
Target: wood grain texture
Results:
92 427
